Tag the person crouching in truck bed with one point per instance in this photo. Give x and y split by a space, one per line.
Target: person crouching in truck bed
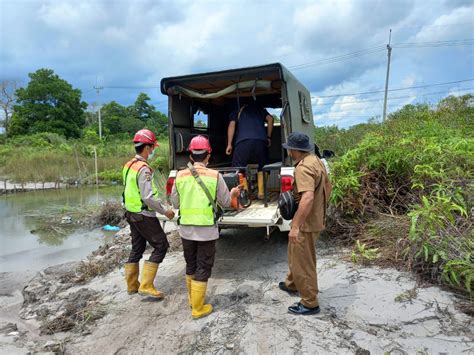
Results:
252 140
197 220
141 201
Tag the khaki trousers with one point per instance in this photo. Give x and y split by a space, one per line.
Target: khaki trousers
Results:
302 275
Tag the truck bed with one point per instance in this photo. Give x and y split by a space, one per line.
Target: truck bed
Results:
256 215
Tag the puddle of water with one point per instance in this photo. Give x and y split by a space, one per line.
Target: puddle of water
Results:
22 213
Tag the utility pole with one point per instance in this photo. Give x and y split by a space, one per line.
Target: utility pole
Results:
389 49
98 88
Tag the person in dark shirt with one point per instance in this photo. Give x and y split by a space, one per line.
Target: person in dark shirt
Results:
252 139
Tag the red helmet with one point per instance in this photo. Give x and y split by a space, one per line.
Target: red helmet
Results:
145 136
199 143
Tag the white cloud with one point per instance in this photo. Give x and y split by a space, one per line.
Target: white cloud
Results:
447 26
115 35
409 80
73 16
138 42
176 47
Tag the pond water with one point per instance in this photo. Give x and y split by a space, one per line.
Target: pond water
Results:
25 245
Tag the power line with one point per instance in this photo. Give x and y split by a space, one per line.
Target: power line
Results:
451 43
396 89
131 87
328 114
340 117
346 56
393 98
424 26
376 49
355 110
341 57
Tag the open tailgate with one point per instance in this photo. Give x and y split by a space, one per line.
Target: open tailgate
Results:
256 215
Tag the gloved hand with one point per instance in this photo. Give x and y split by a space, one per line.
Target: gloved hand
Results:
235 192
234 198
169 214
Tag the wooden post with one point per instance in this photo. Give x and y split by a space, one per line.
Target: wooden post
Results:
96 170
77 163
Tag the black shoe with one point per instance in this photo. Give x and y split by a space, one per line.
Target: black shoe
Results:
283 287
298 308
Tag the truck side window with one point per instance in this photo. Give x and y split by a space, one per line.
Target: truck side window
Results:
304 107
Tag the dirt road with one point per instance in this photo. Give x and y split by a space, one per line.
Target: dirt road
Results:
379 310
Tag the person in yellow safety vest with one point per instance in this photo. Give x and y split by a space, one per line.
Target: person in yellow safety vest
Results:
197 225
140 197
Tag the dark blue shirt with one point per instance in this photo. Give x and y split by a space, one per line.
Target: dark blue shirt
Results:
251 124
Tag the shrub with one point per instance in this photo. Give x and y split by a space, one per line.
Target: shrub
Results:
419 164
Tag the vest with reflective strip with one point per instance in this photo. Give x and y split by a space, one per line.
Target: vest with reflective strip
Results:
131 195
195 209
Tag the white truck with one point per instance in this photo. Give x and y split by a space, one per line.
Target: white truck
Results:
200 104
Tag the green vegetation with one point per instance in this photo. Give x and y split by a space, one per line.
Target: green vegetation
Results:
125 121
48 157
51 138
406 186
340 140
362 254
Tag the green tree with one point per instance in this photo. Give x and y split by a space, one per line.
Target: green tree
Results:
147 113
48 104
112 114
159 124
141 109
117 119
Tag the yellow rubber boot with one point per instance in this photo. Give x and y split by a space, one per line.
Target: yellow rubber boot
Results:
260 185
189 278
131 276
148 276
198 294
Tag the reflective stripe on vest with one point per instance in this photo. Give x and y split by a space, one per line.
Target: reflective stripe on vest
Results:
131 195
194 206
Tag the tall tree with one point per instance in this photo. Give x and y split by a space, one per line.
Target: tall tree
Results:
7 101
48 104
118 119
142 109
159 123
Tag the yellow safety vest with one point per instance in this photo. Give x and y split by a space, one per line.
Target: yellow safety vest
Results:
131 194
195 209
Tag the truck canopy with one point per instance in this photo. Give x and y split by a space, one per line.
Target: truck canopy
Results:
202 103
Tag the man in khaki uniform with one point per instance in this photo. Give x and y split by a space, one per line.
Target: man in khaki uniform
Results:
312 188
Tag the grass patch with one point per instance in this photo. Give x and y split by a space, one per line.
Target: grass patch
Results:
47 157
81 309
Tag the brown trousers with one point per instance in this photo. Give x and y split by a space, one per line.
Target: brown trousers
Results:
199 257
302 275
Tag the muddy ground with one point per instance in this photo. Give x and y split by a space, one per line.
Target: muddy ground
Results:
364 309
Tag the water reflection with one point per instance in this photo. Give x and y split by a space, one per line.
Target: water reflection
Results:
23 213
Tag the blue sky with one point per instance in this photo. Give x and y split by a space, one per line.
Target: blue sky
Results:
134 44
